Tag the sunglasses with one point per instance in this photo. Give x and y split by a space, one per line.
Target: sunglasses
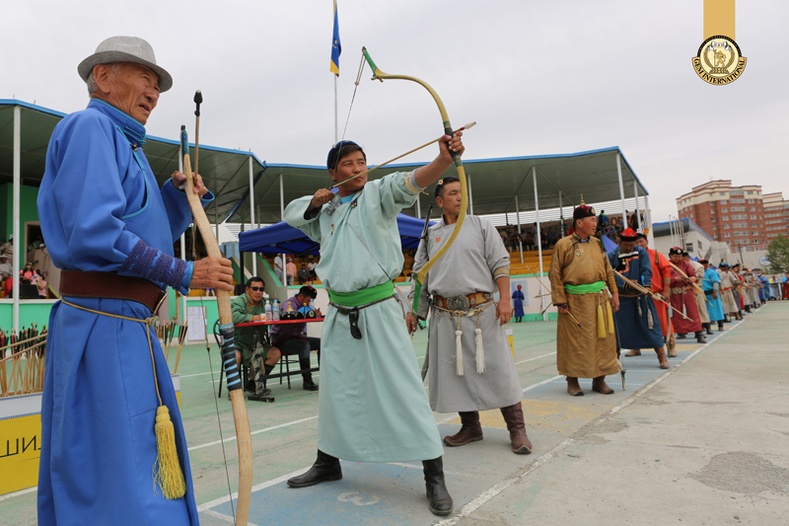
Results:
353 318
257 289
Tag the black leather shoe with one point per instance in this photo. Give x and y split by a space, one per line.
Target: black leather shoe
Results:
309 385
325 469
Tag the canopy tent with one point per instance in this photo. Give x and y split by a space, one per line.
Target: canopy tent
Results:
497 185
283 238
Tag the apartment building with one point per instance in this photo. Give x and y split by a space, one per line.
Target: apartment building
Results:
731 214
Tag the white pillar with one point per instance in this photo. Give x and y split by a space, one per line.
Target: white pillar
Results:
252 214
281 197
539 238
561 215
470 194
18 247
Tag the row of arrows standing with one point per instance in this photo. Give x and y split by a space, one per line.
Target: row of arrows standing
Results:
167 332
22 360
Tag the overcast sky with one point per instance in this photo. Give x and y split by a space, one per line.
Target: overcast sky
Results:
538 77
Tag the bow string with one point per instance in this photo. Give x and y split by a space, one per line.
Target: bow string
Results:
461 174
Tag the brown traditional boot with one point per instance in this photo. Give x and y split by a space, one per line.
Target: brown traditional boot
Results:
470 430
513 415
661 356
672 347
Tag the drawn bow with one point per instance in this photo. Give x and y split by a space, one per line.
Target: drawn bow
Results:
234 387
422 274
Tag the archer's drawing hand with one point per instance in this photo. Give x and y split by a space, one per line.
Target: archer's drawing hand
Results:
321 197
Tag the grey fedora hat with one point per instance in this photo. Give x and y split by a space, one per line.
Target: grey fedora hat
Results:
125 49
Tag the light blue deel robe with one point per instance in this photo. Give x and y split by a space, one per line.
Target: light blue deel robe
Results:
372 404
714 306
101 210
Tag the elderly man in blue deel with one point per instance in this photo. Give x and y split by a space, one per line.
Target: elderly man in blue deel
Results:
113 446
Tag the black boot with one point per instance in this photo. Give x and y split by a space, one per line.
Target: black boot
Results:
708 328
720 325
309 385
437 494
700 337
326 468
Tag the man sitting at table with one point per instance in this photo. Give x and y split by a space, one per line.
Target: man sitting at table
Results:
250 307
291 338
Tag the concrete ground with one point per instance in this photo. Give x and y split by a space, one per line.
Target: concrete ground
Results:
704 442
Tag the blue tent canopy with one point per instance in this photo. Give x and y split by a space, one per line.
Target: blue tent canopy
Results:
281 237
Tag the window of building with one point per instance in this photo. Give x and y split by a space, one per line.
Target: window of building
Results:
726 234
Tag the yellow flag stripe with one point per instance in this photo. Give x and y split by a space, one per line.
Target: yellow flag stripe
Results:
719 18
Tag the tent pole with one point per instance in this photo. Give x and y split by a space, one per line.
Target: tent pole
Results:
638 214
518 221
621 189
539 237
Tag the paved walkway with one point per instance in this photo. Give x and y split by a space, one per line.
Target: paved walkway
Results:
702 443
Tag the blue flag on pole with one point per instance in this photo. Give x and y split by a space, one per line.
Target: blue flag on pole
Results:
336 47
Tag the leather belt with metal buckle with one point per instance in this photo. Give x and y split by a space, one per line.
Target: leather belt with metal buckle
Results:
463 303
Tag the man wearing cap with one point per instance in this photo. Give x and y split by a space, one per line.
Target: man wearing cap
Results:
728 282
637 323
474 370
585 293
711 284
701 302
107 393
683 298
292 338
372 406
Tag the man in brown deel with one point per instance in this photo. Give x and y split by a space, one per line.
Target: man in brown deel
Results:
580 274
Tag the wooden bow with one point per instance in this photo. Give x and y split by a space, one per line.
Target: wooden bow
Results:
695 287
234 387
422 274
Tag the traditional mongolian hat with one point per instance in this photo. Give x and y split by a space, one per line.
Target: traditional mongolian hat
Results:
583 210
723 264
704 260
675 250
125 49
628 234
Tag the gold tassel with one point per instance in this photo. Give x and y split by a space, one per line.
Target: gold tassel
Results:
610 318
167 471
600 323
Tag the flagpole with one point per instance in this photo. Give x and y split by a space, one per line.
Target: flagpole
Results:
336 122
